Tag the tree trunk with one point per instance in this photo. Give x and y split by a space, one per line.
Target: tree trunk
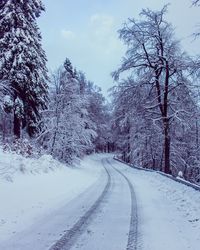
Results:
128 152
17 126
54 141
161 161
166 147
3 126
197 134
166 123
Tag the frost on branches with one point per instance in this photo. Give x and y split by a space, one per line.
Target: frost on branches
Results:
156 114
70 128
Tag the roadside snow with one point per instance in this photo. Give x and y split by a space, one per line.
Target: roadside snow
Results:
169 212
12 164
32 188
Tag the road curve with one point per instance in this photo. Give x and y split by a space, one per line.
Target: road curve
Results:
103 217
47 230
68 239
114 227
133 231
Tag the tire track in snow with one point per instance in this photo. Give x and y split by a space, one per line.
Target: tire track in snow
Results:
69 238
133 230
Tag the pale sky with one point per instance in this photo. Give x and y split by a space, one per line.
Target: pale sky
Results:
85 31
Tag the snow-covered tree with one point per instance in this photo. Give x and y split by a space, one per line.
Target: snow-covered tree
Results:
154 95
6 105
69 132
76 121
99 115
23 61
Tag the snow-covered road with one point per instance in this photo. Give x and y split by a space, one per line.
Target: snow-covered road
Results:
114 226
122 208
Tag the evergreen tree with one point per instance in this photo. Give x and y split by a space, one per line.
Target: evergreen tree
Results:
23 61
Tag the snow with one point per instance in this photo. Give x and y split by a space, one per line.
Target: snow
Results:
109 229
32 188
7 100
169 212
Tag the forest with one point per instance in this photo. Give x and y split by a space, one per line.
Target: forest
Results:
152 120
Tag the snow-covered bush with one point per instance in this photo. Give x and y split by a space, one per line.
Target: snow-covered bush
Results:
22 147
12 163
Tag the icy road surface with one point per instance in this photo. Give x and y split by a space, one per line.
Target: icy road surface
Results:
122 208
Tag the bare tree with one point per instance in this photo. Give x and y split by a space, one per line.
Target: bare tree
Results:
155 59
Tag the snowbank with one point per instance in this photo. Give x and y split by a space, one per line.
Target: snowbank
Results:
12 164
32 188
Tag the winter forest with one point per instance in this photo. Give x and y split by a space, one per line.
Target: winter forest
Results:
152 118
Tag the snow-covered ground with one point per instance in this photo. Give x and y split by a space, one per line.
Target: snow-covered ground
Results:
32 188
33 191
169 212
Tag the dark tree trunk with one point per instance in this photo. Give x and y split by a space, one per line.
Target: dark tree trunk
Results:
17 126
166 123
166 148
128 153
161 161
197 134
3 126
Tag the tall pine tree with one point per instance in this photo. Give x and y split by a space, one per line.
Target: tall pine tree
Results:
23 62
